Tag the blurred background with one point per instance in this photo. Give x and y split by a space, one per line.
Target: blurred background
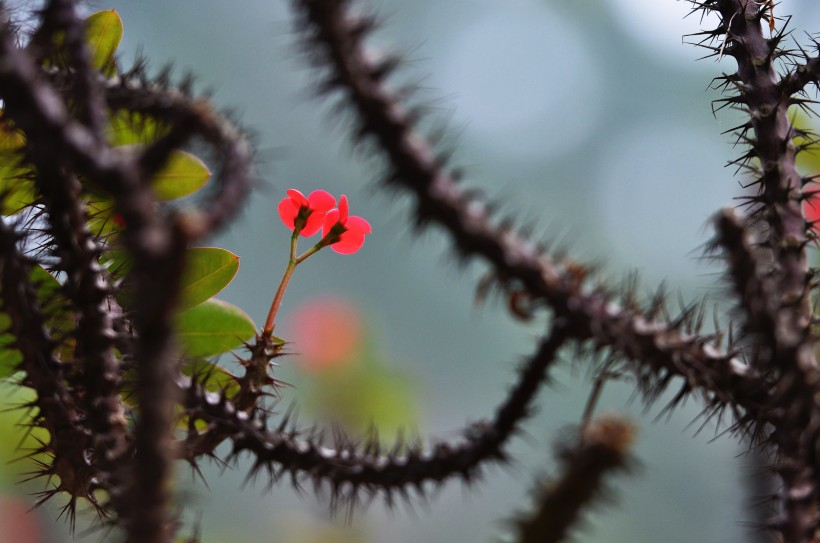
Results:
590 121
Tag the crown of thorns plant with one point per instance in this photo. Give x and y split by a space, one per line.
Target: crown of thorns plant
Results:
109 317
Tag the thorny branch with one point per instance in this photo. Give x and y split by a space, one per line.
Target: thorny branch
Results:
334 38
349 466
768 379
602 447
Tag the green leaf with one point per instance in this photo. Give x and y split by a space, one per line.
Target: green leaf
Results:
117 262
45 284
213 327
18 436
10 139
182 175
103 33
10 357
808 161
207 271
16 188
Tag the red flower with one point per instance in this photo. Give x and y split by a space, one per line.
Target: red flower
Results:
306 214
811 210
117 219
349 231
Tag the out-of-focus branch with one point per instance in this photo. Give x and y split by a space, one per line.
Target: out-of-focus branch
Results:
778 307
56 409
188 118
335 40
750 273
59 18
603 447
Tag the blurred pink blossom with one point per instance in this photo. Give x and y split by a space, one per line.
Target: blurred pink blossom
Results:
326 332
19 524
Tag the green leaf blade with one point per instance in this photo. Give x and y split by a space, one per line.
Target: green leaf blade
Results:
16 187
10 358
16 184
213 327
208 270
182 175
103 33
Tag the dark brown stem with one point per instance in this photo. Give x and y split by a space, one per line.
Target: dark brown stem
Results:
778 308
158 279
603 447
69 441
60 17
348 468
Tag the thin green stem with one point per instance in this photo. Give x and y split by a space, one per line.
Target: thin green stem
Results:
310 252
293 261
270 322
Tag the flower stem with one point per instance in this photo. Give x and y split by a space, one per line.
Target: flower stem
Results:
270 322
310 252
293 261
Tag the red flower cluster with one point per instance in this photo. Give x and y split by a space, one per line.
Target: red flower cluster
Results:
307 215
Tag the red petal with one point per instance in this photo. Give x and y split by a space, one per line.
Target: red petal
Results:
358 225
348 243
331 219
321 200
314 222
811 209
298 198
288 210
343 209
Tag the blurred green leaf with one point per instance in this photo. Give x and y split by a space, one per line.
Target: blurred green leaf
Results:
117 263
182 175
207 271
808 161
213 327
10 357
17 437
16 189
46 284
129 128
100 212
103 33
10 139
365 394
